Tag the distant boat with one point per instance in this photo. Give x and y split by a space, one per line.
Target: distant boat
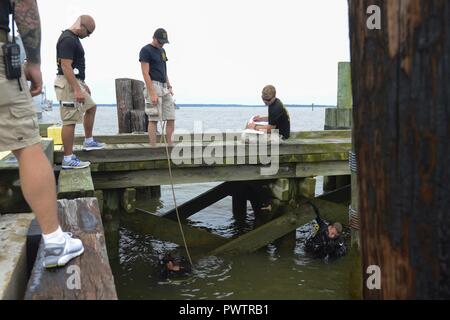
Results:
42 104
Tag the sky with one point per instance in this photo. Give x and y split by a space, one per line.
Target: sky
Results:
220 52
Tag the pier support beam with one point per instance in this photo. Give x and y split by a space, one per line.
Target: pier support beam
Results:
401 76
111 220
340 118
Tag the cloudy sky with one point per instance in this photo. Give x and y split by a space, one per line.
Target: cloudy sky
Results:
219 51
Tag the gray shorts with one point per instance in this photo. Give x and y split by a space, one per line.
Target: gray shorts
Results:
165 108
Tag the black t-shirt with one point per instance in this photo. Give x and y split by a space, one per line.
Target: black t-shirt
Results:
279 117
157 58
5 10
69 47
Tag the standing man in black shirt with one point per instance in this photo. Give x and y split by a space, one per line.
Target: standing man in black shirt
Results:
158 92
278 115
73 93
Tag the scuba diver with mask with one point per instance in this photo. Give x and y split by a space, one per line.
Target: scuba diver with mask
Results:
326 241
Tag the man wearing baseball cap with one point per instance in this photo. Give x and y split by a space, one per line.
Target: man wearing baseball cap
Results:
159 105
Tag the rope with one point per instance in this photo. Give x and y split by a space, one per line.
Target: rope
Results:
163 124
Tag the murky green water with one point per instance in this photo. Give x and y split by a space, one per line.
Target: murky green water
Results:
271 273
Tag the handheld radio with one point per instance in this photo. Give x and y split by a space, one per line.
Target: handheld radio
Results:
11 56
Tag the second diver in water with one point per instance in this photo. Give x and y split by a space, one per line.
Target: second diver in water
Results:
326 241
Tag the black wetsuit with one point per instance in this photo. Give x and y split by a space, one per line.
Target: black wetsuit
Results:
321 246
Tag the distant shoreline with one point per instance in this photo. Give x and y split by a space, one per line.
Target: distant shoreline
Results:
224 105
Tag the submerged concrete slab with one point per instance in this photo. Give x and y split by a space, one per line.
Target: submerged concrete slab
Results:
13 264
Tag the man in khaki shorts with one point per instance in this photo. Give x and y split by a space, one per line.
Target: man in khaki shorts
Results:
159 105
19 132
76 104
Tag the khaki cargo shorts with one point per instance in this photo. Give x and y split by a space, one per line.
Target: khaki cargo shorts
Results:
65 95
165 106
19 126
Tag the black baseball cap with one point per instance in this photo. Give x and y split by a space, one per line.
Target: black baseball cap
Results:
161 35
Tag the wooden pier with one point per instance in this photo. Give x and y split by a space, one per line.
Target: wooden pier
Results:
128 161
128 168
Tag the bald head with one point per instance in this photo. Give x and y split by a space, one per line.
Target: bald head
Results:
84 26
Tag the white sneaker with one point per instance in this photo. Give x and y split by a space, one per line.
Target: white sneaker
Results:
57 255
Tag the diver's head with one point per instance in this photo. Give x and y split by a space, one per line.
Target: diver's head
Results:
334 230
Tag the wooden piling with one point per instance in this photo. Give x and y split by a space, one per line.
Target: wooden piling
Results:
111 220
124 100
340 118
401 76
131 106
87 277
128 200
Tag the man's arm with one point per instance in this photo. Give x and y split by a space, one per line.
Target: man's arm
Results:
169 86
66 66
145 68
264 128
260 119
29 25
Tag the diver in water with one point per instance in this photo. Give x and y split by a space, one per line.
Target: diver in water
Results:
326 241
170 266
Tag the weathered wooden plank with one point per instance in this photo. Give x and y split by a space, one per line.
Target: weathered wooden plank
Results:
267 233
75 183
344 96
88 276
191 153
168 230
231 161
156 177
322 168
401 77
201 202
13 255
145 178
143 138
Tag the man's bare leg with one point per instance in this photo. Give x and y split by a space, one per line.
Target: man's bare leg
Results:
68 137
89 118
170 128
152 126
38 186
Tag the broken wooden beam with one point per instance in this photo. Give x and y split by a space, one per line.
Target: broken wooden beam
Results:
167 230
87 277
267 233
201 202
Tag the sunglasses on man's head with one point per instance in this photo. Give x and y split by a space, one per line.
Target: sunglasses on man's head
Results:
267 100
